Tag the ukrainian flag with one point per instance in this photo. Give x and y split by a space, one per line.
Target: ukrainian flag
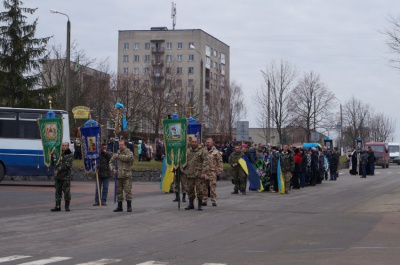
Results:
167 176
281 181
254 179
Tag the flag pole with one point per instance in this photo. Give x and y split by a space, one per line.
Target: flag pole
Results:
97 181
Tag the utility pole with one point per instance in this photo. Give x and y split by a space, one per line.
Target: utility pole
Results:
269 112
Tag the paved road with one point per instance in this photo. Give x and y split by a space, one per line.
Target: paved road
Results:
349 221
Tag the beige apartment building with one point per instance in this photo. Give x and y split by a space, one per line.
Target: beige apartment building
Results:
189 67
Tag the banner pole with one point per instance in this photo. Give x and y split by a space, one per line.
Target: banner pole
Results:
178 179
98 184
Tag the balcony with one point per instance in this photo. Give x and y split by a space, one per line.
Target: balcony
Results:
157 49
157 62
158 74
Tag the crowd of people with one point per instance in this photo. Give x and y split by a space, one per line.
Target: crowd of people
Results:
300 168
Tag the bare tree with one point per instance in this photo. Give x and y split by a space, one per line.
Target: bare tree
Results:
355 121
237 107
312 105
393 39
281 77
381 127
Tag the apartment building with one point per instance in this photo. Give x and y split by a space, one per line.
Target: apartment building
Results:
190 66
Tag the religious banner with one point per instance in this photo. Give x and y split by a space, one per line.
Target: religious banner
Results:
175 133
51 133
194 130
81 112
91 147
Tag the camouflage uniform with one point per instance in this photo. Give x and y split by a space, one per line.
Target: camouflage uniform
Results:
183 183
215 167
125 162
287 167
197 164
239 176
63 178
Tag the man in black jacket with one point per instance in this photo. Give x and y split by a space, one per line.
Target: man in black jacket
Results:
104 176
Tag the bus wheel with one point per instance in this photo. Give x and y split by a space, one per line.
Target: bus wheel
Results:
2 171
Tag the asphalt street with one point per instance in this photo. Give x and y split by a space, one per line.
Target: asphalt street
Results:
348 221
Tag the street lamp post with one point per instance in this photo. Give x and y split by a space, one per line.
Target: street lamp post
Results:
68 59
269 108
201 92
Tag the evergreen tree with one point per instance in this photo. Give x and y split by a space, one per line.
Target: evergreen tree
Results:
21 56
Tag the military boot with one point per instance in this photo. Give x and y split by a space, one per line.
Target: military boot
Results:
119 207
176 197
57 208
200 203
184 197
67 206
129 206
191 205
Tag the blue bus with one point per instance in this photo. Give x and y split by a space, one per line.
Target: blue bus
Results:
21 150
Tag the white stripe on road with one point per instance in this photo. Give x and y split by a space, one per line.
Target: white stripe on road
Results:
11 258
101 262
152 262
46 261
214 264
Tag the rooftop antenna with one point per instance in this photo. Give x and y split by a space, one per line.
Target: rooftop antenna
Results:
173 15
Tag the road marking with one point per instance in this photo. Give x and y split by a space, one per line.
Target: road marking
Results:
101 262
152 262
46 261
214 264
11 258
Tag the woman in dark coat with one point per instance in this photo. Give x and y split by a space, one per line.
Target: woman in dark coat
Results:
334 162
353 155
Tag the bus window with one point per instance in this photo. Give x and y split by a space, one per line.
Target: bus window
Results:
8 122
28 126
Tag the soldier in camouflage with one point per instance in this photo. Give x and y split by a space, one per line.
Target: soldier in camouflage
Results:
62 177
287 166
197 166
124 159
215 169
239 176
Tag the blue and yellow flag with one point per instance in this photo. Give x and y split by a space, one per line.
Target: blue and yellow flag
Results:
167 176
254 179
281 181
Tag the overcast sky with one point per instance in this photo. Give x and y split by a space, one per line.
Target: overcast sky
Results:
337 39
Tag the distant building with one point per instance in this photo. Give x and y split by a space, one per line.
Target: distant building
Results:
194 64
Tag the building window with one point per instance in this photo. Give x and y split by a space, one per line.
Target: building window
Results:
136 83
136 70
190 82
180 57
168 70
190 70
146 82
147 46
146 70
190 94
136 46
126 70
169 45
125 58
126 46
190 44
179 45
147 58
215 53
178 94
178 83
168 58
136 58
168 82
179 70
191 57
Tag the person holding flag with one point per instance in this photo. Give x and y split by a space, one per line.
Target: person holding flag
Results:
287 166
104 176
239 176
124 159
62 177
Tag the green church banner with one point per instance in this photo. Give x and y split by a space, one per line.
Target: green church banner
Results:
175 134
51 133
